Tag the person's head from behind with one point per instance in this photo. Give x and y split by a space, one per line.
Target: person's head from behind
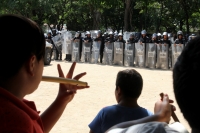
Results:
25 58
129 85
186 78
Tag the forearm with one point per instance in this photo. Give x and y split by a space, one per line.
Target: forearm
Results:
52 114
139 121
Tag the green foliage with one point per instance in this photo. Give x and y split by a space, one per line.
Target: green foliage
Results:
129 15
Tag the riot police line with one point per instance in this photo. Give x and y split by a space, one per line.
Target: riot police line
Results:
123 50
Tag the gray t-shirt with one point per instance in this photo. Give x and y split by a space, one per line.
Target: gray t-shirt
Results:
152 127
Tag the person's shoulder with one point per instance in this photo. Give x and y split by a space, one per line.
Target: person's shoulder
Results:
176 40
13 118
145 110
109 108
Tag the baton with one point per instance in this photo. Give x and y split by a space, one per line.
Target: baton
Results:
64 81
52 40
175 118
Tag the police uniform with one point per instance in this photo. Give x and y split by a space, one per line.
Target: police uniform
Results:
180 41
80 43
100 38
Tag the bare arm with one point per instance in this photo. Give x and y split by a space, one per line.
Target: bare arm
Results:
162 114
91 131
52 114
65 95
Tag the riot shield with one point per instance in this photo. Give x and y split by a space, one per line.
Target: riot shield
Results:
139 54
83 35
118 53
150 55
162 56
129 54
93 33
75 50
126 35
67 43
108 54
95 51
57 40
176 51
86 52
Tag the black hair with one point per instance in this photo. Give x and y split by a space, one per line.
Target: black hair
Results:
186 82
130 82
16 49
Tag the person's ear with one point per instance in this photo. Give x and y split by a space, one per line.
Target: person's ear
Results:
31 65
118 91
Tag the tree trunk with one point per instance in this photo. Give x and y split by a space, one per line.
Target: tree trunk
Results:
127 4
186 8
181 25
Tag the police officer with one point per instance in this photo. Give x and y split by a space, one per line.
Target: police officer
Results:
110 39
78 36
191 37
105 35
54 32
144 38
154 38
120 39
159 37
56 49
88 37
48 37
116 37
166 40
131 38
99 38
180 40
59 54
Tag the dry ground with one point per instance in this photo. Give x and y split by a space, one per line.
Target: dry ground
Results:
101 78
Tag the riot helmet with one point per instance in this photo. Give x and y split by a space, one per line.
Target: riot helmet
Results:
192 36
165 34
120 34
132 35
49 34
54 32
159 34
169 35
180 34
88 34
77 34
105 34
111 34
143 33
154 36
98 33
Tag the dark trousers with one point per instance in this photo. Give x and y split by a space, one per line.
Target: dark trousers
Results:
68 57
101 57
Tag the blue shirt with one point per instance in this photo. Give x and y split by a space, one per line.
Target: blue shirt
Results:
115 114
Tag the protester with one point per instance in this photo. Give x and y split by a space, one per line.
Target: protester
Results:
21 77
185 84
129 85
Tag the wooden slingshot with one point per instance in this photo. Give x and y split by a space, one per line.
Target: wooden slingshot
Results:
175 118
63 81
